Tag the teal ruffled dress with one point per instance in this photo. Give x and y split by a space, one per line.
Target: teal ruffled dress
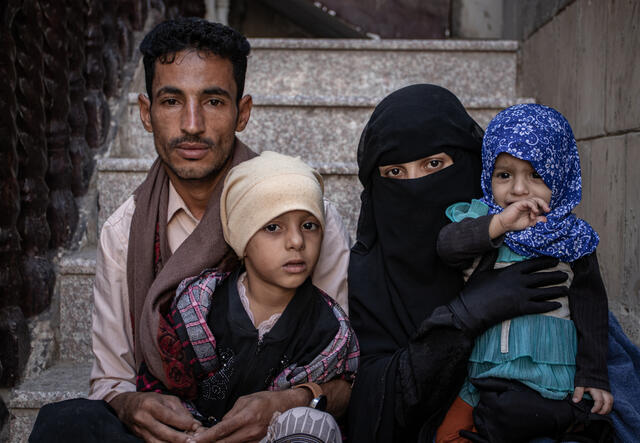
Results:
536 350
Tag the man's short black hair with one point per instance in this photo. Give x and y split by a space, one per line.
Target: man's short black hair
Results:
173 36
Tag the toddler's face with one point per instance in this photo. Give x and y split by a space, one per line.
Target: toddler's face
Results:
514 179
284 252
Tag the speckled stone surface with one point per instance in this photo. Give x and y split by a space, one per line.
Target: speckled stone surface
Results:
62 382
315 128
385 45
331 69
76 274
117 179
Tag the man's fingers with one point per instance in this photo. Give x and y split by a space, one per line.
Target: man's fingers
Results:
173 413
223 429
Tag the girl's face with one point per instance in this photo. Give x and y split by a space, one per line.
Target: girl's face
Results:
282 254
417 168
514 180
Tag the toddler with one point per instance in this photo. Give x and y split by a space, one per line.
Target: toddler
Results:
264 326
531 183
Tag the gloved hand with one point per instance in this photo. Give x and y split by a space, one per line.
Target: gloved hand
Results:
491 296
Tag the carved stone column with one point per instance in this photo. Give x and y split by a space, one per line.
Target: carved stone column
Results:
62 212
81 161
111 51
10 251
95 102
37 285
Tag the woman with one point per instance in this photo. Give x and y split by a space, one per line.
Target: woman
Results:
419 153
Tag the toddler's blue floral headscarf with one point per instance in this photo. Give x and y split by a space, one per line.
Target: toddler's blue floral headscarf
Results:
543 137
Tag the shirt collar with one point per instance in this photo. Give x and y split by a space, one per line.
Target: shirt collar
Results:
176 204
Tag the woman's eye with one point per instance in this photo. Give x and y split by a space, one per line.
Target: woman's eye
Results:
271 227
309 226
435 163
393 171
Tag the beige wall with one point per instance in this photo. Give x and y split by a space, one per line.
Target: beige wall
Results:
585 62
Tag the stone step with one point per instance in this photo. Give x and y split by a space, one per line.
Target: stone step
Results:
76 273
365 68
118 178
64 381
317 128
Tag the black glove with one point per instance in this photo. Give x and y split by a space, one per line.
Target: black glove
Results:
491 296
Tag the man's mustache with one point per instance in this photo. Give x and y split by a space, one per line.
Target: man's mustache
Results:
191 139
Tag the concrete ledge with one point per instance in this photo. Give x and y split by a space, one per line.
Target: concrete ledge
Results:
319 129
385 45
64 381
119 177
61 382
75 285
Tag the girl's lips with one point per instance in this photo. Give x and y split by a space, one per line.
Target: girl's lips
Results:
295 267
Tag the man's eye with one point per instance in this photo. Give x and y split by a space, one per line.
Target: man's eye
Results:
214 102
271 227
170 101
309 226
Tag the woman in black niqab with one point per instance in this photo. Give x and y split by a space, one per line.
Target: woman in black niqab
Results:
415 327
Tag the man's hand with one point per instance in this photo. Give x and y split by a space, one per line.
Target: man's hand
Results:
602 400
154 417
518 216
251 414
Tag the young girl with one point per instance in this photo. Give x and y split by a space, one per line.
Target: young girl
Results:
264 326
531 182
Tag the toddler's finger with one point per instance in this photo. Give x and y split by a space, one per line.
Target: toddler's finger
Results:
578 393
598 402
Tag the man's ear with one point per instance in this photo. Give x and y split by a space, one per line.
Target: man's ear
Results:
244 112
145 111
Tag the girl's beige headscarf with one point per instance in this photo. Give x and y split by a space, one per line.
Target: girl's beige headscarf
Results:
258 190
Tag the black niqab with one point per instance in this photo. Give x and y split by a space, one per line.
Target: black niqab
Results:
396 279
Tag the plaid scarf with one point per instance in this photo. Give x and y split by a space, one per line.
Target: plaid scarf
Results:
191 357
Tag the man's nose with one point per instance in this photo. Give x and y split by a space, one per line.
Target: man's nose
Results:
192 118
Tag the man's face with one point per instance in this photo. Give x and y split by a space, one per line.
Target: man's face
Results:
194 114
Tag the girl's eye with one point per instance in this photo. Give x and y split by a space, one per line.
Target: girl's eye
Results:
272 227
503 175
309 226
534 174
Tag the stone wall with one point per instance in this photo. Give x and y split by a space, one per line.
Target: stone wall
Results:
584 60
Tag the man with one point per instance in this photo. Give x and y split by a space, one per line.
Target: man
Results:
170 229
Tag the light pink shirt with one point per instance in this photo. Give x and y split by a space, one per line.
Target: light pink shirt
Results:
113 369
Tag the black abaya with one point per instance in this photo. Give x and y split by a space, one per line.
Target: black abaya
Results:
413 357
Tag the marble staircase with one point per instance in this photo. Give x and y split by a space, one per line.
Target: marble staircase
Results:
312 99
